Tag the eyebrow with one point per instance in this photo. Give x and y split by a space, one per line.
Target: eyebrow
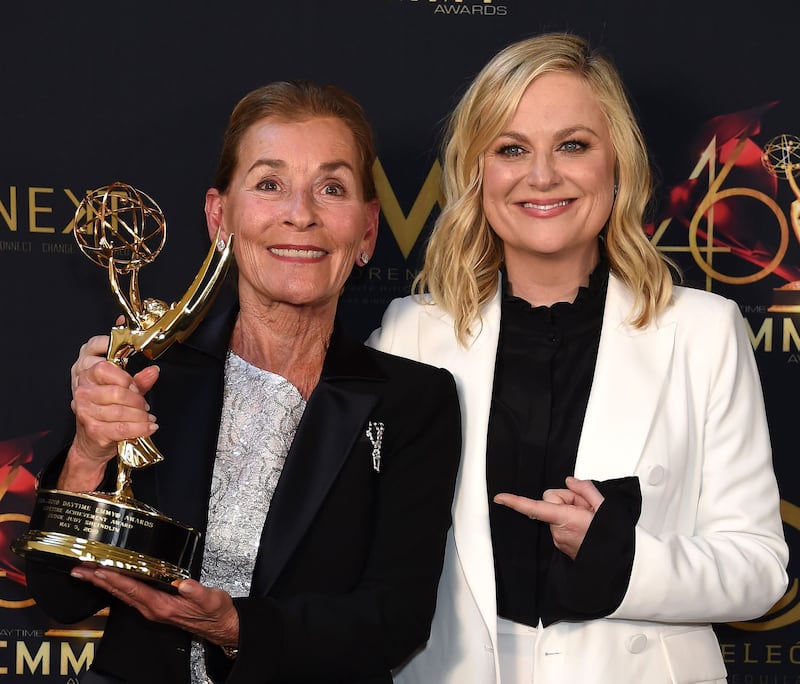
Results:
326 167
563 133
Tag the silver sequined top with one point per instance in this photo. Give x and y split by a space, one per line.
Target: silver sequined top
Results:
260 414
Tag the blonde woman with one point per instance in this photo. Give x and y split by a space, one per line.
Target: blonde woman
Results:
616 494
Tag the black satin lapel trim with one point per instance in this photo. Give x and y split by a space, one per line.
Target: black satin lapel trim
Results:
330 426
213 335
188 409
348 359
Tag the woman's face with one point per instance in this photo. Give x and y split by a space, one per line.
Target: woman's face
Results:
296 209
548 182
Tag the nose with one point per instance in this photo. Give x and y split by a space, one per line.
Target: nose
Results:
543 172
300 210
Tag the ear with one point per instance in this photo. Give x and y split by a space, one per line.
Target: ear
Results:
214 213
373 211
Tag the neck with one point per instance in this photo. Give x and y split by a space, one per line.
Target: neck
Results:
285 340
544 281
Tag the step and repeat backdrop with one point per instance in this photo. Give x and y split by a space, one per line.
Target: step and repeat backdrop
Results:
94 93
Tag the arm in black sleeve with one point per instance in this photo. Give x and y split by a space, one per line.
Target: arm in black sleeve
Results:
594 584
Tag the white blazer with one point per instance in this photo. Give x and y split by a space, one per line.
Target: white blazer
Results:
679 405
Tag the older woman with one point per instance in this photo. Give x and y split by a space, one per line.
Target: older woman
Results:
616 493
320 474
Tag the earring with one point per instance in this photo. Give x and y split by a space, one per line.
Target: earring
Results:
616 189
364 257
221 244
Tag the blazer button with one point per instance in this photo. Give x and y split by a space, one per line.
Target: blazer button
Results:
637 643
655 475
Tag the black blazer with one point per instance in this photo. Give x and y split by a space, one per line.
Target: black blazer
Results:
344 586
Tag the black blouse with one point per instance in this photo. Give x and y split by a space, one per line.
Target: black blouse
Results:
543 375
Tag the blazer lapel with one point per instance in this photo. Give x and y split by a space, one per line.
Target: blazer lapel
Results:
189 407
632 366
473 369
327 432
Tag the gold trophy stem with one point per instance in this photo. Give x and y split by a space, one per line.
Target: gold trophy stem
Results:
792 306
792 180
123 490
115 288
794 212
133 291
135 453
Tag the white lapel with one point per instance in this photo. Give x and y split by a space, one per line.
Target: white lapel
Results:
473 369
632 366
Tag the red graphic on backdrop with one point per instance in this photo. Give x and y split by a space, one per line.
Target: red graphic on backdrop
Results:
741 208
17 493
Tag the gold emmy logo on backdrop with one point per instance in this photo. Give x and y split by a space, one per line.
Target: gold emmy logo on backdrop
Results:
787 610
123 229
407 229
781 157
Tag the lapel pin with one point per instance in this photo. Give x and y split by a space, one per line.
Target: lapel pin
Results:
375 436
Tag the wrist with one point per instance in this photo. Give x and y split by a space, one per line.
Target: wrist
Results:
80 473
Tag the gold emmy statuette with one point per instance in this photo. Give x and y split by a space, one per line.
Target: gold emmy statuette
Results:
122 229
781 157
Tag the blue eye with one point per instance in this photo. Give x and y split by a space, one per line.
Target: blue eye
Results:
573 146
511 151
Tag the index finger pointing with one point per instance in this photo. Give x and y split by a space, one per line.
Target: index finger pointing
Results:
534 509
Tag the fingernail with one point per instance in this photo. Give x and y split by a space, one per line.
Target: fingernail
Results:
77 574
100 574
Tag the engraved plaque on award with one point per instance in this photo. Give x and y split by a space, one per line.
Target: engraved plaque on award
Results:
122 229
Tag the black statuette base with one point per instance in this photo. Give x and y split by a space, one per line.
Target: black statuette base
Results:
125 535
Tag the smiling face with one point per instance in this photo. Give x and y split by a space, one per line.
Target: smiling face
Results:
548 180
296 208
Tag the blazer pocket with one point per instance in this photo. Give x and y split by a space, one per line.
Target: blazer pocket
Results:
693 656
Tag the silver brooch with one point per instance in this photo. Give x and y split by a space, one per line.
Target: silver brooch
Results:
375 436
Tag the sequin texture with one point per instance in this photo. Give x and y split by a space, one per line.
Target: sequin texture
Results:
260 415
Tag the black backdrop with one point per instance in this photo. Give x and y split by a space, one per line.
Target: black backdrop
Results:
96 92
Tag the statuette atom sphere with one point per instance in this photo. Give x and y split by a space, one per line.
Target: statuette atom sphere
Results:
781 156
121 223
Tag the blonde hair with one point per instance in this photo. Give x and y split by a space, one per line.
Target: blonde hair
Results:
463 255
